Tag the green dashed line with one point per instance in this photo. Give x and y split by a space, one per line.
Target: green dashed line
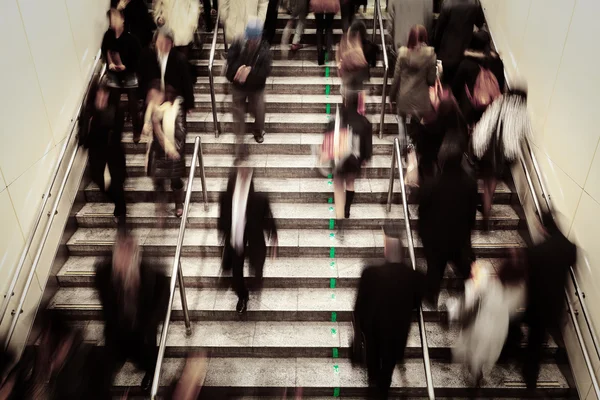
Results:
335 352
332 252
331 224
332 283
333 316
336 392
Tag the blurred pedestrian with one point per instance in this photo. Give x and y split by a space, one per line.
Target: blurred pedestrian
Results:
387 295
298 13
166 148
479 79
484 314
101 128
497 140
447 208
454 32
348 12
353 69
370 50
181 18
548 264
244 218
325 11
248 66
270 26
138 21
122 53
404 14
414 74
133 294
209 12
170 68
236 14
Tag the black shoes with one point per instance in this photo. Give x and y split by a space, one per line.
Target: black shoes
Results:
242 305
259 137
349 200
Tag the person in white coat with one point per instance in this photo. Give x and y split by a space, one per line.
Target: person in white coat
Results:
235 15
180 17
489 304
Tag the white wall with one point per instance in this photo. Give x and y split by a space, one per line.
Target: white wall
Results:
552 44
48 49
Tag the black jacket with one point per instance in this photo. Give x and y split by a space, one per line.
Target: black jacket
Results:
126 45
454 30
387 295
259 220
177 74
447 207
151 304
138 21
260 60
101 132
467 73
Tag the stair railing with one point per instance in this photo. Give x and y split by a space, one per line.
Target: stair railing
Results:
378 20
176 273
397 161
578 292
97 70
211 78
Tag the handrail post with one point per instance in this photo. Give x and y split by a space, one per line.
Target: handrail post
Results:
375 11
202 173
176 275
411 252
377 16
391 185
383 94
211 79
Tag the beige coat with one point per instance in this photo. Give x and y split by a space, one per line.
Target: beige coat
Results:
180 16
235 15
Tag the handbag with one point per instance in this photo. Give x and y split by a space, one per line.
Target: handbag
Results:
337 144
325 6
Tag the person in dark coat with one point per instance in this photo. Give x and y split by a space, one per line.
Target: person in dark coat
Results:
454 32
134 295
209 12
101 128
447 207
248 66
271 22
138 20
387 295
477 57
121 51
548 264
168 67
244 217
164 123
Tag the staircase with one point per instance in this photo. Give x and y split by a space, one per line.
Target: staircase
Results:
297 330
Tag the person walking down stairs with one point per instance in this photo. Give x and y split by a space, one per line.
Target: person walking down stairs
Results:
244 218
236 14
248 66
325 11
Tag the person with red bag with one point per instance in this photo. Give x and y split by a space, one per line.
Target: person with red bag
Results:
324 11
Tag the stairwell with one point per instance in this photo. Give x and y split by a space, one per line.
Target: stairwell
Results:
297 330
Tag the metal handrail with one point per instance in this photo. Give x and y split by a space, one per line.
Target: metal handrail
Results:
396 160
46 196
176 274
211 78
377 18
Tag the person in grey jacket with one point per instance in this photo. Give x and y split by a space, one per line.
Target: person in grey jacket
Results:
404 14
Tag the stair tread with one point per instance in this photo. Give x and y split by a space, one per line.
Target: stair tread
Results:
289 334
292 80
300 185
319 373
360 211
295 238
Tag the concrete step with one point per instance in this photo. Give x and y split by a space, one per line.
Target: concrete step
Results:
294 86
292 68
231 377
299 272
287 215
288 190
267 304
265 165
257 339
275 143
292 242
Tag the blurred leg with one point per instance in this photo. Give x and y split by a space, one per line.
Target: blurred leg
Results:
436 265
349 196
300 23
257 100
347 10
533 354
339 196
320 21
132 100
208 24
239 113
329 32
238 283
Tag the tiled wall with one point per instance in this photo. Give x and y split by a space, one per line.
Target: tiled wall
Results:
48 48
553 45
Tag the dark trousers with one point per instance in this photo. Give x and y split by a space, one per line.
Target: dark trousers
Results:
137 347
538 329
256 105
437 259
208 23
381 361
115 192
185 50
271 21
176 187
348 11
237 271
324 34
126 82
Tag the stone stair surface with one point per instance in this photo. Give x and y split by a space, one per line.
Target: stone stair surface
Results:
289 337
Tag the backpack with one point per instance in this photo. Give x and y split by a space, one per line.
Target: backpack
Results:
485 90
